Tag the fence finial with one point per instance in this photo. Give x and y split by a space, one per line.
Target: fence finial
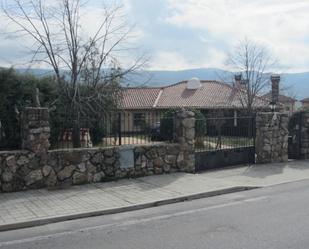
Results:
36 98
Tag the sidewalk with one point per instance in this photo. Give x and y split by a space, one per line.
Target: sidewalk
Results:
30 208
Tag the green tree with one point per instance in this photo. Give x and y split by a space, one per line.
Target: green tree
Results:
17 92
85 64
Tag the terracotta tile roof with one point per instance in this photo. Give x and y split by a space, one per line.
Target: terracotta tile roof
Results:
139 98
211 94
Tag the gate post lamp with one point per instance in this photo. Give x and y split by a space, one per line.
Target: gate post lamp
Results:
272 106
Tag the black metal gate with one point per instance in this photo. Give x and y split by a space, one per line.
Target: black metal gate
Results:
295 139
224 141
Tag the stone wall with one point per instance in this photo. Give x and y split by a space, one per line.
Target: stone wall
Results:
15 167
271 137
37 167
21 170
156 159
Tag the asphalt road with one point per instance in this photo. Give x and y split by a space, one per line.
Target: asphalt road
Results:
275 217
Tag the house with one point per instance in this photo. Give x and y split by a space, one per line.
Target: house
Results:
288 104
145 106
305 103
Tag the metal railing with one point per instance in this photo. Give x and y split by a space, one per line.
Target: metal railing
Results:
10 133
125 128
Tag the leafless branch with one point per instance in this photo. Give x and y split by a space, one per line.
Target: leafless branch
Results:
86 69
253 62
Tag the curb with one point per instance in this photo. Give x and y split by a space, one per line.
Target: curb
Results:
45 221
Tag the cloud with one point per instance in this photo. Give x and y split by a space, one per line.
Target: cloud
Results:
166 60
182 34
280 25
17 49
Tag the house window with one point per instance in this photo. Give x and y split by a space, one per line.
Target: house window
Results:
139 119
287 108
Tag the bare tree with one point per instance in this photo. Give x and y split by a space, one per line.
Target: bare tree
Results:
288 90
253 63
85 65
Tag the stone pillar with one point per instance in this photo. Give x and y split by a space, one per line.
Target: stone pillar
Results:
184 135
271 137
275 80
35 130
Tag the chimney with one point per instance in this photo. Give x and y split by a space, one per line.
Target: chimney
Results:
238 80
275 80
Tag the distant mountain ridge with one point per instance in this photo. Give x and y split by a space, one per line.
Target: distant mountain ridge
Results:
299 82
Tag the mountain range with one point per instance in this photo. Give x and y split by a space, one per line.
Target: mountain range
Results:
296 84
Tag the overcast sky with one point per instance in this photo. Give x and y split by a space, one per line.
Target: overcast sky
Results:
182 34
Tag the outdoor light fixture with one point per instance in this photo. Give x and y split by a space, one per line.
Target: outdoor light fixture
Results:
272 106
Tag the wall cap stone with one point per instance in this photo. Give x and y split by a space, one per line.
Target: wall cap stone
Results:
82 149
3 152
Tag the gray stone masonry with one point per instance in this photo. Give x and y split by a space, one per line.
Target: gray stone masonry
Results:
21 170
37 167
271 137
35 130
184 135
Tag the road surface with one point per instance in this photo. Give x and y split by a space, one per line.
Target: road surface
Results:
274 217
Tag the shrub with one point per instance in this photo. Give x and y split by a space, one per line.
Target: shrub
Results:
17 92
294 120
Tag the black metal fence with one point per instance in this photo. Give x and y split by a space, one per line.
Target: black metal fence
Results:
125 128
224 133
295 136
133 128
10 133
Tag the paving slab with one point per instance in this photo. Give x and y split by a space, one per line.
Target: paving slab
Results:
36 207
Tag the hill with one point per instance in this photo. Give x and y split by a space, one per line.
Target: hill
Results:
298 83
